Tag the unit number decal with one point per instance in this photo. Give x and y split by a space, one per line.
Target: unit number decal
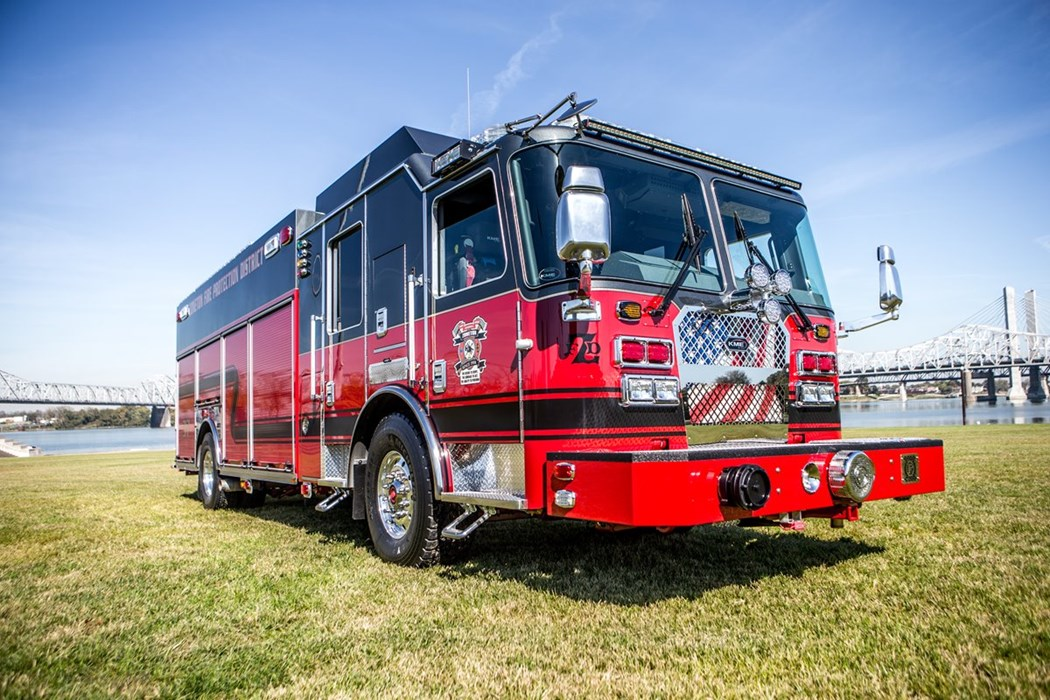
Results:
583 349
467 337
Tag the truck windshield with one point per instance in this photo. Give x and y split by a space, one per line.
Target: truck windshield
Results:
647 225
780 230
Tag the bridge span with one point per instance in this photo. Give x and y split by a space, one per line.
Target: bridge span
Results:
157 392
1000 341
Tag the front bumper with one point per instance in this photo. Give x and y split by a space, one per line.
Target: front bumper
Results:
672 488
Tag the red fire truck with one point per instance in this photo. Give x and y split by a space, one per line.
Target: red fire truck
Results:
561 318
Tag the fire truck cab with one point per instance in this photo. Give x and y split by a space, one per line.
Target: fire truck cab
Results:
561 318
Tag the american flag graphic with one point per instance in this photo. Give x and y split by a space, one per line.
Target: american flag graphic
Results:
732 341
710 404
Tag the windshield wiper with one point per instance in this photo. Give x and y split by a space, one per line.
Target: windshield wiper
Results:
692 238
805 325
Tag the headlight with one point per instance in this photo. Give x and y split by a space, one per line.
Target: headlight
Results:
757 276
768 311
781 281
639 390
665 390
636 390
851 475
646 390
815 394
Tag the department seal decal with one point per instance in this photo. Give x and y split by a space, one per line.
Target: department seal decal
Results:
467 337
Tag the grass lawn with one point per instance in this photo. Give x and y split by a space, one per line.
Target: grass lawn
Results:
115 582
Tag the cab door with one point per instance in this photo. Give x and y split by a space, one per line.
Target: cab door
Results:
474 364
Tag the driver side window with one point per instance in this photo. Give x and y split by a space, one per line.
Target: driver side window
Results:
470 247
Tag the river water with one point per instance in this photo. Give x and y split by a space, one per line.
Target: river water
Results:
59 442
859 414
927 412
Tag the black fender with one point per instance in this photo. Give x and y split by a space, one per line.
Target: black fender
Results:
394 398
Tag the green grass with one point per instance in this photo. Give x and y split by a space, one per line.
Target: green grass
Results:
115 582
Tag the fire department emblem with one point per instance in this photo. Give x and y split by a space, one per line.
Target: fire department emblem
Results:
467 337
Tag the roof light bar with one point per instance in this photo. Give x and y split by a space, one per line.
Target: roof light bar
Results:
605 129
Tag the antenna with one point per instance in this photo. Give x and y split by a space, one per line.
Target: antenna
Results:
468 103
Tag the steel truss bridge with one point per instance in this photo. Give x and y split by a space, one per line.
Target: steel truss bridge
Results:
989 344
155 392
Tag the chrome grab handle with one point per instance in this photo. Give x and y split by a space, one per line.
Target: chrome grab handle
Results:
315 394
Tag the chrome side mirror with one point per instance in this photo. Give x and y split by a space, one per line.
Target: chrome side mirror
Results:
889 283
583 233
583 224
890 297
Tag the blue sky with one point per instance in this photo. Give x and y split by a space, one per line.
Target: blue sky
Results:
143 144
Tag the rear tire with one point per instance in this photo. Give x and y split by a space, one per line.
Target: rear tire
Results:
208 481
399 495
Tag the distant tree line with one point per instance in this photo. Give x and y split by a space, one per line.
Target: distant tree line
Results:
72 419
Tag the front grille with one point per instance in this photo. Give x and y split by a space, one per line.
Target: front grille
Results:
733 370
729 340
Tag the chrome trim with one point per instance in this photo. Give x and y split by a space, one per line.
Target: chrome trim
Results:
910 468
625 397
439 376
333 483
395 494
480 498
392 370
520 346
851 475
645 364
799 403
817 372
579 310
564 498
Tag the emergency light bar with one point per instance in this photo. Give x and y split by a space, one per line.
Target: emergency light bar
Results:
458 155
604 129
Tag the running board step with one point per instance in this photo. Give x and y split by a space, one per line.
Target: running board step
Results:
334 499
455 531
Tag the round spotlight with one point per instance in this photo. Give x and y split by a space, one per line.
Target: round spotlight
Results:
811 478
851 475
781 281
757 276
769 311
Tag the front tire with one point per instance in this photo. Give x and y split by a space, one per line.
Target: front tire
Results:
208 482
399 495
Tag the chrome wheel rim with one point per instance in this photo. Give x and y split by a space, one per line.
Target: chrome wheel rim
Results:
207 475
395 494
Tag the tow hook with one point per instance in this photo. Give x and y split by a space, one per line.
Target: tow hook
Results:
793 525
